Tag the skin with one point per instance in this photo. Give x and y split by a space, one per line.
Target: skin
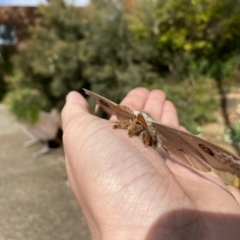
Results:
127 191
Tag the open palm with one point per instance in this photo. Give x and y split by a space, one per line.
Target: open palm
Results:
127 191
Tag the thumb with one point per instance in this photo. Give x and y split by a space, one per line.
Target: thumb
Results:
75 106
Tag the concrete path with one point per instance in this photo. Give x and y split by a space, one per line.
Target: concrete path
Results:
35 201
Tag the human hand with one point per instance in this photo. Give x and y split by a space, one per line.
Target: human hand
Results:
127 191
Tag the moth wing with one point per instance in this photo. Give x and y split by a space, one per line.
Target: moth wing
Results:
196 151
110 107
45 129
177 148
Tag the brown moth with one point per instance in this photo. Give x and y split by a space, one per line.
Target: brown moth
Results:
188 148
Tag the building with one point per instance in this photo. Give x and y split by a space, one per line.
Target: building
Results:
14 24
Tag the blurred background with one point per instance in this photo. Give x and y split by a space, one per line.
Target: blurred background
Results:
188 48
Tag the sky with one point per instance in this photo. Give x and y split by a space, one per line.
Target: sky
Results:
36 2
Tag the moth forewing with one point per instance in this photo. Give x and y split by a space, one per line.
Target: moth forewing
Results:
111 108
142 120
105 104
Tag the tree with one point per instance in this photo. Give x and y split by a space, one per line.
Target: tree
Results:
74 47
194 39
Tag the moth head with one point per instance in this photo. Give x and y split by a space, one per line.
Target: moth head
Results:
148 118
143 118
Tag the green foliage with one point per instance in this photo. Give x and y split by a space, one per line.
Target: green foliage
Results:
197 43
75 48
115 62
51 60
26 104
190 34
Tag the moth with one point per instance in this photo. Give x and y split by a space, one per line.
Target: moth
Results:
188 148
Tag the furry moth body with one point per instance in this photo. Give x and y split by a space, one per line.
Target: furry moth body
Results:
188 148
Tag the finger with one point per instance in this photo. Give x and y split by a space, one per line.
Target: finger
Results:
74 106
169 115
135 99
154 104
182 128
235 193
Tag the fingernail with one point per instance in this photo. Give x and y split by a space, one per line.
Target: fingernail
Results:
69 97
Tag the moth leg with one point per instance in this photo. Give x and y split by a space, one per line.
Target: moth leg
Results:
134 129
121 125
154 140
146 138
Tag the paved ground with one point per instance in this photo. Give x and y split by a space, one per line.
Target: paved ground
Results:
35 201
